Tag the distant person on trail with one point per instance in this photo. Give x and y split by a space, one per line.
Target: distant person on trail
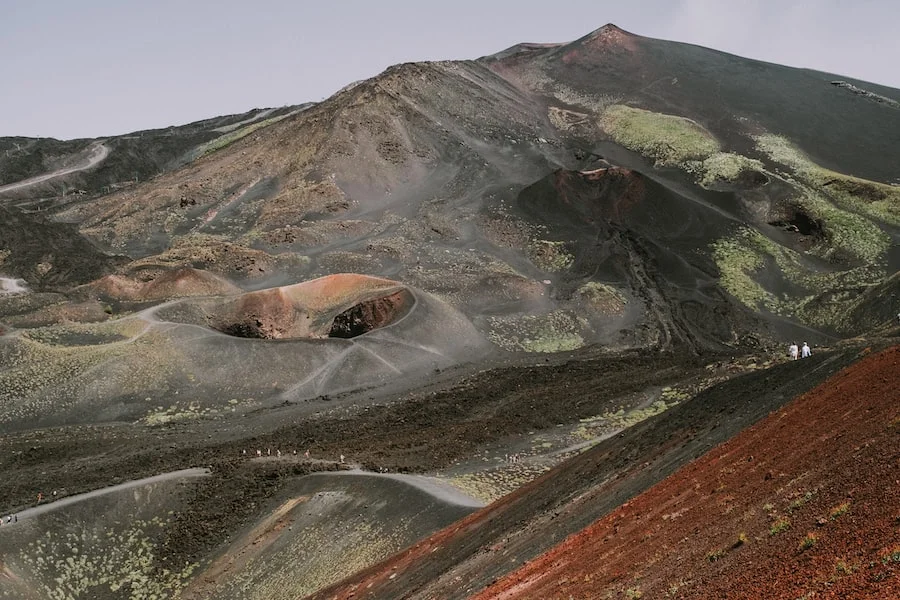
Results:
306 454
804 351
342 459
794 351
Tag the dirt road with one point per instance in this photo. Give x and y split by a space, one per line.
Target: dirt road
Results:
435 488
98 152
51 506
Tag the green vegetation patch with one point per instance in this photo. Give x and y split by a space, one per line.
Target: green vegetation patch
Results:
669 139
28 369
229 138
743 256
872 199
79 564
849 232
780 525
602 298
557 331
809 541
838 511
722 166
612 421
492 484
738 261
550 256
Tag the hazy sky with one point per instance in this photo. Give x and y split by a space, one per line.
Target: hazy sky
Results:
88 68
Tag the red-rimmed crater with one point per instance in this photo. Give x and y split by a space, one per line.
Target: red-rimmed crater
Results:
336 306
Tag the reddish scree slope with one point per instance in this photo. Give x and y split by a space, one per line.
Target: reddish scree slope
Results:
805 503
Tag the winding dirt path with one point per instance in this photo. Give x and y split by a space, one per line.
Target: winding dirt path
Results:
98 153
51 506
435 488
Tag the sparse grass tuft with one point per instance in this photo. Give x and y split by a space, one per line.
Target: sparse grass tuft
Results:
714 555
781 524
802 500
838 510
842 568
809 541
891 555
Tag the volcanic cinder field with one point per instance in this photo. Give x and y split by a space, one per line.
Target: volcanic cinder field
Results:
513 327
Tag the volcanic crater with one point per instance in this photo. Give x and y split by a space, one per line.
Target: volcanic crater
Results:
338 306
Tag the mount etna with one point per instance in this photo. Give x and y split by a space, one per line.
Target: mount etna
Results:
513 327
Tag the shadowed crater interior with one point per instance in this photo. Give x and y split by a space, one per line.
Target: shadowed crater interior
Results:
797 220
370 314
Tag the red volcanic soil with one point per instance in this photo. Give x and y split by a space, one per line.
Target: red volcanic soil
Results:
806 503
176 283
607 41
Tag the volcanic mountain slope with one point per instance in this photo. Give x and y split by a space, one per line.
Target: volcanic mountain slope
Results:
470 555
49 255
713 187
653 206
202 356
753 520
36 169
705 227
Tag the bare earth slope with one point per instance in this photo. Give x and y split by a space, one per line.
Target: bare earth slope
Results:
468 556
803 504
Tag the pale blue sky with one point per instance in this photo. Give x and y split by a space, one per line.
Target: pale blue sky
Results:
91 68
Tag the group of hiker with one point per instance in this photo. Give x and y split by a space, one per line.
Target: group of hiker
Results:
796 352
277 453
